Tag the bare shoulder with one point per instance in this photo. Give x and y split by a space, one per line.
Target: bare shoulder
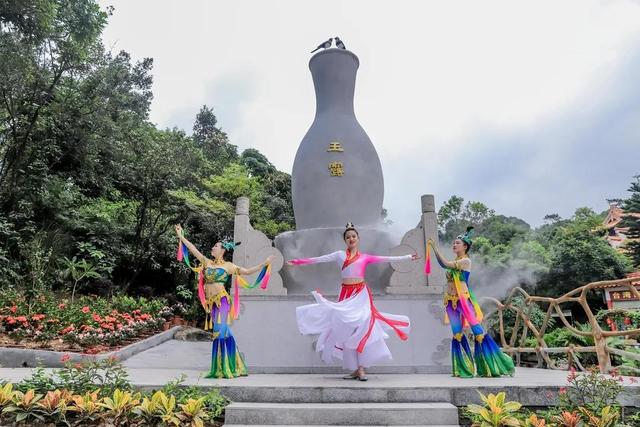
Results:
465 264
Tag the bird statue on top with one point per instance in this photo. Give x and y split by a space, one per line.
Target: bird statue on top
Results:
324 45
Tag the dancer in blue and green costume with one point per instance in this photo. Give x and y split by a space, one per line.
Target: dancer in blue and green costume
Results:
462 310
215 277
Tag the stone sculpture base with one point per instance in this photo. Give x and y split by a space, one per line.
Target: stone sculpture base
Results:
268 336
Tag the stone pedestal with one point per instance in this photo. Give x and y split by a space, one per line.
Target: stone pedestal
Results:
409 278
267 334
254 248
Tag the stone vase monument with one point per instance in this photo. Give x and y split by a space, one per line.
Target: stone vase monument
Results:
337 178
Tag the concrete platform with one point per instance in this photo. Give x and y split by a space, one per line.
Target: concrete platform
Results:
323 399
532 387
372 414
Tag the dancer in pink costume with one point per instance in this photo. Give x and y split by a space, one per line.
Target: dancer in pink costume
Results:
352 329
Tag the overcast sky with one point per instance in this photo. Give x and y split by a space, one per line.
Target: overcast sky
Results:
530 107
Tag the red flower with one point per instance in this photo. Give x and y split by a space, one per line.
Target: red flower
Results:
11 320
13 309
61 306
65 357
563 390
632 380
97 318
38 317
67 330
78 366
22 319
86 309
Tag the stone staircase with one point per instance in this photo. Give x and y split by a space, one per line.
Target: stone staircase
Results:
346 406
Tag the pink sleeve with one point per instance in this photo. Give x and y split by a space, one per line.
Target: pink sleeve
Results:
375 259
334 256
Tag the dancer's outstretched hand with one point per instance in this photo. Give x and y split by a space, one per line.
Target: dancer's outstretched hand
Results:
290 262
414 257
269 259
178 229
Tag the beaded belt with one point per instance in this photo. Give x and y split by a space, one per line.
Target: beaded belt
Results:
351 285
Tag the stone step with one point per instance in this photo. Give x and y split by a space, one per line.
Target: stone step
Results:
348 414
330 394
316 425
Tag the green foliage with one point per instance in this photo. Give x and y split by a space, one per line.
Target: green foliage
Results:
214 402
590 390
105 375
625 365
454 216
533 311
632 206
216 202
85 175
496 412
77 271
579 255
562 337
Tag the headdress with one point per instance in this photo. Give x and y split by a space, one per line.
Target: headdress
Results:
230 244
466 237
350 226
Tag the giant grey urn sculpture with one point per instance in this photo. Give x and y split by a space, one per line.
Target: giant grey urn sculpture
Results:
336 174
337 178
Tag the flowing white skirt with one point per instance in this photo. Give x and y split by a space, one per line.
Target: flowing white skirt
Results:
342 327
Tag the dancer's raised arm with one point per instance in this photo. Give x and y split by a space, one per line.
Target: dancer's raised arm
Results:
332 257
189 245
460 264
246 271
375 259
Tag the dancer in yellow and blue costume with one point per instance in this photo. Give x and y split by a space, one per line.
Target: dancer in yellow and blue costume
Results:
214 282
462 310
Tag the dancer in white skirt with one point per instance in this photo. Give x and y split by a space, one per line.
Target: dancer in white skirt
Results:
352 329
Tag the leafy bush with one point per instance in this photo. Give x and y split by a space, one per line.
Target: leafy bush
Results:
98 393
84 323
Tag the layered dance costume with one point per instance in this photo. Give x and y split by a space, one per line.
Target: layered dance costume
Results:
462 310
352 329
214 280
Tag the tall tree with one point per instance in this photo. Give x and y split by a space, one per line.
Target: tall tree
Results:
579 255
631 207
45 47
213 141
